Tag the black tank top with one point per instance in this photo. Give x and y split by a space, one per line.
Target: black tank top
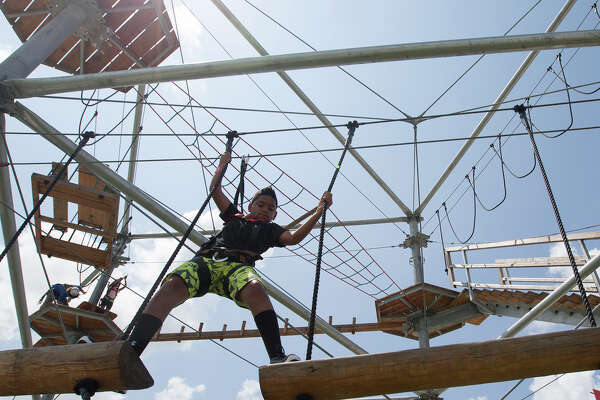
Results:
241 233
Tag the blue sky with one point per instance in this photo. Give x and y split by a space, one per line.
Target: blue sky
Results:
203 370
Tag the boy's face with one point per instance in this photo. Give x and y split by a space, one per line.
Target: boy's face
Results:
264 207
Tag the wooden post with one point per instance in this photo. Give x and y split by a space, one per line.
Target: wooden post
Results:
435 367
180 332
56 369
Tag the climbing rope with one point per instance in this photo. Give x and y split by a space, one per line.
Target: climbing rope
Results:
239 193
520 109
228 147
311 325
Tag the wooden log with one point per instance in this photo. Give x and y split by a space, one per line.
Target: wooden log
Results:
436 367
56 369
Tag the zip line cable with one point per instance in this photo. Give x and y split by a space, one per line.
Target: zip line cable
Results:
314 127
311 326
300 152
521 111
373 91
478 59
307 113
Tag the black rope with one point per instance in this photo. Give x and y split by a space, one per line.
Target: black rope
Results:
508 168
86 137
442 237
230 136
520 109
474 211
567 87
311 325
503 180
239 193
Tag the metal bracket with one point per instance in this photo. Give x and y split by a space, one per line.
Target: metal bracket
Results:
420 239
94 29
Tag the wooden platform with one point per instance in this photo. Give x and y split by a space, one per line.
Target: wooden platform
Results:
436 367
100 205
77 321
131 34
411 304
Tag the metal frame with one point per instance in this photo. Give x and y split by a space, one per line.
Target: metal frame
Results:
32 87
35 87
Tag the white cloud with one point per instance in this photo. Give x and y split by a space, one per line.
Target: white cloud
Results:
538 327
250 391
205 222
575 386
559 250
8 322
178 389
191 34
107 396
478 398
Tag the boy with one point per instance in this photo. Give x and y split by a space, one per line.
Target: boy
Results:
224 265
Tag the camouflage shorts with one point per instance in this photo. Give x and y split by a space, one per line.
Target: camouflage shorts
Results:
203 275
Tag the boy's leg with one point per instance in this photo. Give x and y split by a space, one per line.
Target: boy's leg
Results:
255 297
171 294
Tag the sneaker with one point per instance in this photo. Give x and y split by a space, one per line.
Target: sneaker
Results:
84 339
284 358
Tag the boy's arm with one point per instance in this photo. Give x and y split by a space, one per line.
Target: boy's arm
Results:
292 238
219 197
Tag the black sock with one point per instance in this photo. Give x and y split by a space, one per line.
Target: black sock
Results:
266 322
143 332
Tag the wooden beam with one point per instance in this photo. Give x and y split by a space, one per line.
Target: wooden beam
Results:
388 326
443 366
56 369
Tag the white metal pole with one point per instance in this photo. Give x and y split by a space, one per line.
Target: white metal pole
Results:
135 143
549 300
359 222
505 92
13 258
449 48
93 165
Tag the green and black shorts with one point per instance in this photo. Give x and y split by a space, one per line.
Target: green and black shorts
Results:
226 278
